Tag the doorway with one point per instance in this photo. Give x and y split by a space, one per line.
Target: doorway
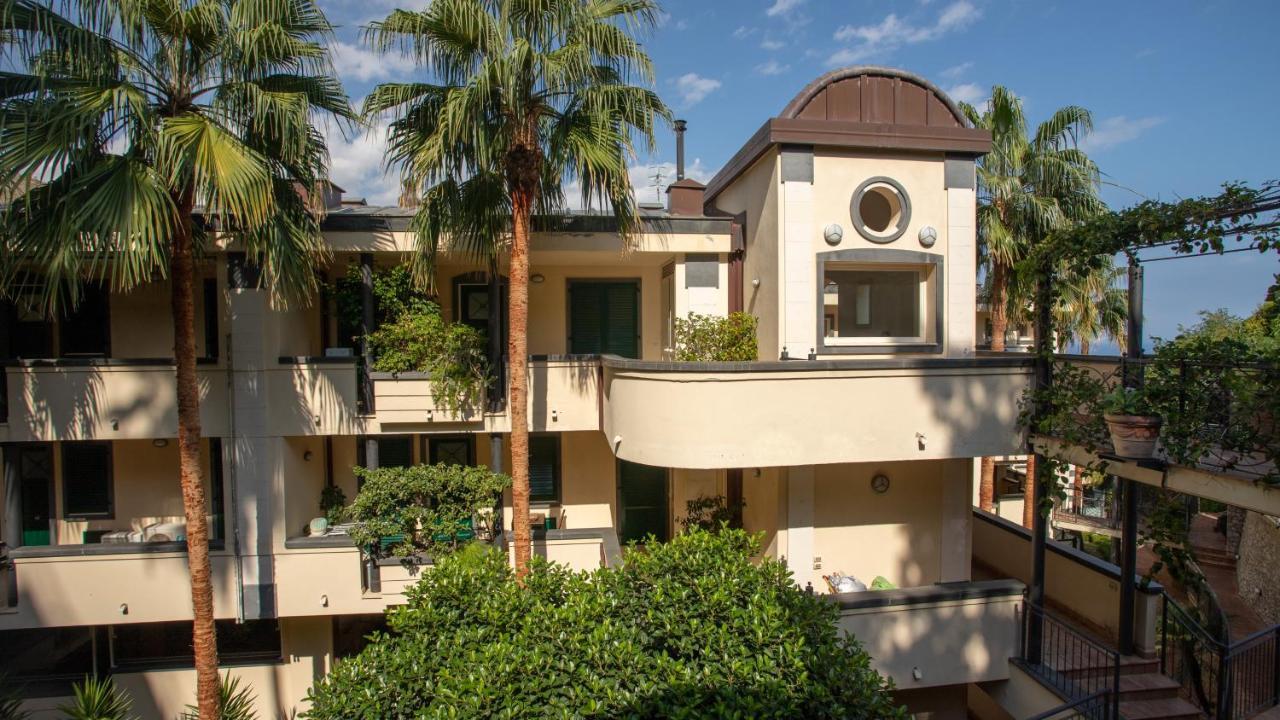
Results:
644 502
35 482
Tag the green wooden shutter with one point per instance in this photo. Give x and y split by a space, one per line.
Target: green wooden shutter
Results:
544 468
395 452
622 308
586 318
642 491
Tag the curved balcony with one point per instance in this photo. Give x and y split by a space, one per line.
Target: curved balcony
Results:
766 414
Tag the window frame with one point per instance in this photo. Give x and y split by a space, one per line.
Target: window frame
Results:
557 476
930 267
110 512
429 447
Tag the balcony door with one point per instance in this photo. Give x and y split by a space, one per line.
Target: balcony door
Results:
644 503
604 317
35 478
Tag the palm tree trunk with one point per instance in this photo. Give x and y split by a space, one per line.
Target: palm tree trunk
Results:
518 375
1029 508
987 485
999 321
204 642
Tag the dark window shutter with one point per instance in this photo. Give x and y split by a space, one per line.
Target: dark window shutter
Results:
586 315
544 468
395 452
86 472
621 301
604 317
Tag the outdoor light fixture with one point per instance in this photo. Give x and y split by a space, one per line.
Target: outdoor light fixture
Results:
880 484
160 442
928 236
833 234
306 456
537 278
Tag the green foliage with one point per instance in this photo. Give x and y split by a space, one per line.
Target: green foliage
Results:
693 628
453 354
11 701
234 702
711 338
1126 401
428 509
97 699
711 513
136 112
395 294
333 504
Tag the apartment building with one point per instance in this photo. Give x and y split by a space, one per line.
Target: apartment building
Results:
845 225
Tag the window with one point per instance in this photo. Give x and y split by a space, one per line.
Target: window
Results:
544 468
86 480
351 633
449 450
604 318
86 330
880 210
44 662
168 645
393 451
874 304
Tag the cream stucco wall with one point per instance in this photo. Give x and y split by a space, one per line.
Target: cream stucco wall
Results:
756 194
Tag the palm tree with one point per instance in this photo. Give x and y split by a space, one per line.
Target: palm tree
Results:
137 113
1089 307
1029 186
526 95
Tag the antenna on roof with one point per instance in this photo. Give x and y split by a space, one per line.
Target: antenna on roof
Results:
657 177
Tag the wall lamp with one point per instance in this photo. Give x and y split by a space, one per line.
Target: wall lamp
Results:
537 278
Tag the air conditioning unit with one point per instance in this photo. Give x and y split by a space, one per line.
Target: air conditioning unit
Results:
165 532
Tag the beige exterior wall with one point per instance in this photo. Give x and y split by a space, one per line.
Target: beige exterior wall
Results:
948 643
756 193
704 420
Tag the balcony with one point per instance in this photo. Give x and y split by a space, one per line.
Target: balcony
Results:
765 414
69 585
947 634
104 399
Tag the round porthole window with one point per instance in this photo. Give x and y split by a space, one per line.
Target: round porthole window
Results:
881 210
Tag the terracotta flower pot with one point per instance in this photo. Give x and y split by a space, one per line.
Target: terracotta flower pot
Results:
1133 436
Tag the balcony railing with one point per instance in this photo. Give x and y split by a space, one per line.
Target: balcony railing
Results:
1090 510
1234 680
1078 667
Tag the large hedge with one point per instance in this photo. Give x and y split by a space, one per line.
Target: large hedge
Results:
688 629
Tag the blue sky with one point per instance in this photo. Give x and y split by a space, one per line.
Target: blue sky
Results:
1182 93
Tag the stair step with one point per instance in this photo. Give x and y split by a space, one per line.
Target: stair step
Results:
1163 709
1148 686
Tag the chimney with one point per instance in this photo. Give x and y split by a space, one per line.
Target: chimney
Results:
684 196
680 128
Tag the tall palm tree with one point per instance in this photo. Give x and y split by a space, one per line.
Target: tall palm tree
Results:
525 96
1029 185
1090 307
158 123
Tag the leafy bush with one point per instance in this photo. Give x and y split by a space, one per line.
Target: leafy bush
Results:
98 699
395 294
421 509
333 504
687 629
711 513
234 702
453 354
711 338
1126 401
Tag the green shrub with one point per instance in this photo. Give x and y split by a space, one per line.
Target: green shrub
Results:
98 699
333 504
1126 401
711 513
453 354
421 509
711 338
394 295
234 702
687 629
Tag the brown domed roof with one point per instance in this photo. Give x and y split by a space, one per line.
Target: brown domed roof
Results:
873 94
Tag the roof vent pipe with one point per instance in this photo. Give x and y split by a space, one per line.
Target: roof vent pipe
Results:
680 126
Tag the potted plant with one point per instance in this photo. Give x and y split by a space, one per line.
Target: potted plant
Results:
1132 422
333 503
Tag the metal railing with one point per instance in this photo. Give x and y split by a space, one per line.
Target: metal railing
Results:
1223 680
1092 706
1094 509
1076 666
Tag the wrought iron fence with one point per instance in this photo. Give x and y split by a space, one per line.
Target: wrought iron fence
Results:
1077 666
1092 706
1223 680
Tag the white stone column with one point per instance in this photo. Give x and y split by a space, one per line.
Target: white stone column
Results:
800 542
799 264
962 259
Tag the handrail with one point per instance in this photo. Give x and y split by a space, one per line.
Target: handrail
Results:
1100 696
1068 661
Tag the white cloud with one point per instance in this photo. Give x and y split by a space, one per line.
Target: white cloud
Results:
971 93
772 68
1117 130
693 88
772 44
744 32
356 63
355 164
955 72
893 32
782 7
